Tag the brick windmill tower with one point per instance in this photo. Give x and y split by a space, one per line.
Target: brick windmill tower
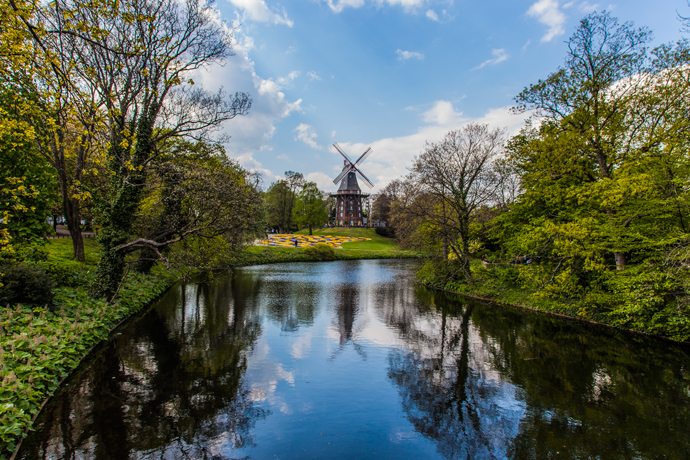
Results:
349 197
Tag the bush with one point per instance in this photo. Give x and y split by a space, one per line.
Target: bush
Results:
507 274
70 276
438 272
320 252
388 232
24 283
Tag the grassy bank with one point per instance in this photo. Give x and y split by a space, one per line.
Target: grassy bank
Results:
502 283
40 346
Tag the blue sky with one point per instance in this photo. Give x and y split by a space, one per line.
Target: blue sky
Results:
391 74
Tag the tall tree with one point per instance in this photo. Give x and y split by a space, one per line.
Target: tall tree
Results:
310 207
141 70
459 172
382 204
194 192
280 200
294 181
277 199
581 96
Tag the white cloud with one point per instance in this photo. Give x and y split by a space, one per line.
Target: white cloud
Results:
333 134
584 7
587 7
282 156
548 13
524 47
257 10
408 5
306 134
287 80
405 55
443 114
500 55
391 157
313 75
431 14
322 180
338 6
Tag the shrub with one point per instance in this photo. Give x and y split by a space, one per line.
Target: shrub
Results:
70 276
320 252
388 232
24 283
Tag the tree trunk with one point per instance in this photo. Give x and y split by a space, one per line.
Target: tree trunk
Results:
310 231
445 247
620 260
77 244
71 211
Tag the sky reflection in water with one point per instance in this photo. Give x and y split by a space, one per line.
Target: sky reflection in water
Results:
352 360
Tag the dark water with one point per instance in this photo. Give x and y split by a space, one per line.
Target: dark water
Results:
352 360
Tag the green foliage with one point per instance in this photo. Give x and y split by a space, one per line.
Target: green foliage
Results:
280 199
320 252
310 207
439 272
278 208
27 181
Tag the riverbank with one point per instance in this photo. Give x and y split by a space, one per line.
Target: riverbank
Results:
500 284
39 346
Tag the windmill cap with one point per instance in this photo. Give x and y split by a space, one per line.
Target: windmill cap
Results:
349 183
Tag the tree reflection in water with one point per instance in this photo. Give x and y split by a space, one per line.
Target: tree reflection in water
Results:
495 383
177 391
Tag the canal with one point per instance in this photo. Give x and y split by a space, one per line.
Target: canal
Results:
352 359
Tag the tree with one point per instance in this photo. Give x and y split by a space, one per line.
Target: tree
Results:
294 181
59 113
140 70
382 204
459 173
604 175
280 200
591 93
310 207
194 192
277 199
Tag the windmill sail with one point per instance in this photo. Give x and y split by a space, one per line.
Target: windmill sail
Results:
364 178
363 157
342 174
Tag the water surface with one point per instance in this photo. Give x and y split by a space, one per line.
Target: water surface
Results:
351 359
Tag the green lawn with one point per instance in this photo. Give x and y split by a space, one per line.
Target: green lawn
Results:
60 251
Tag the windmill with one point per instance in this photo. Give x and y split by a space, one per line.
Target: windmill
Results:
348 211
